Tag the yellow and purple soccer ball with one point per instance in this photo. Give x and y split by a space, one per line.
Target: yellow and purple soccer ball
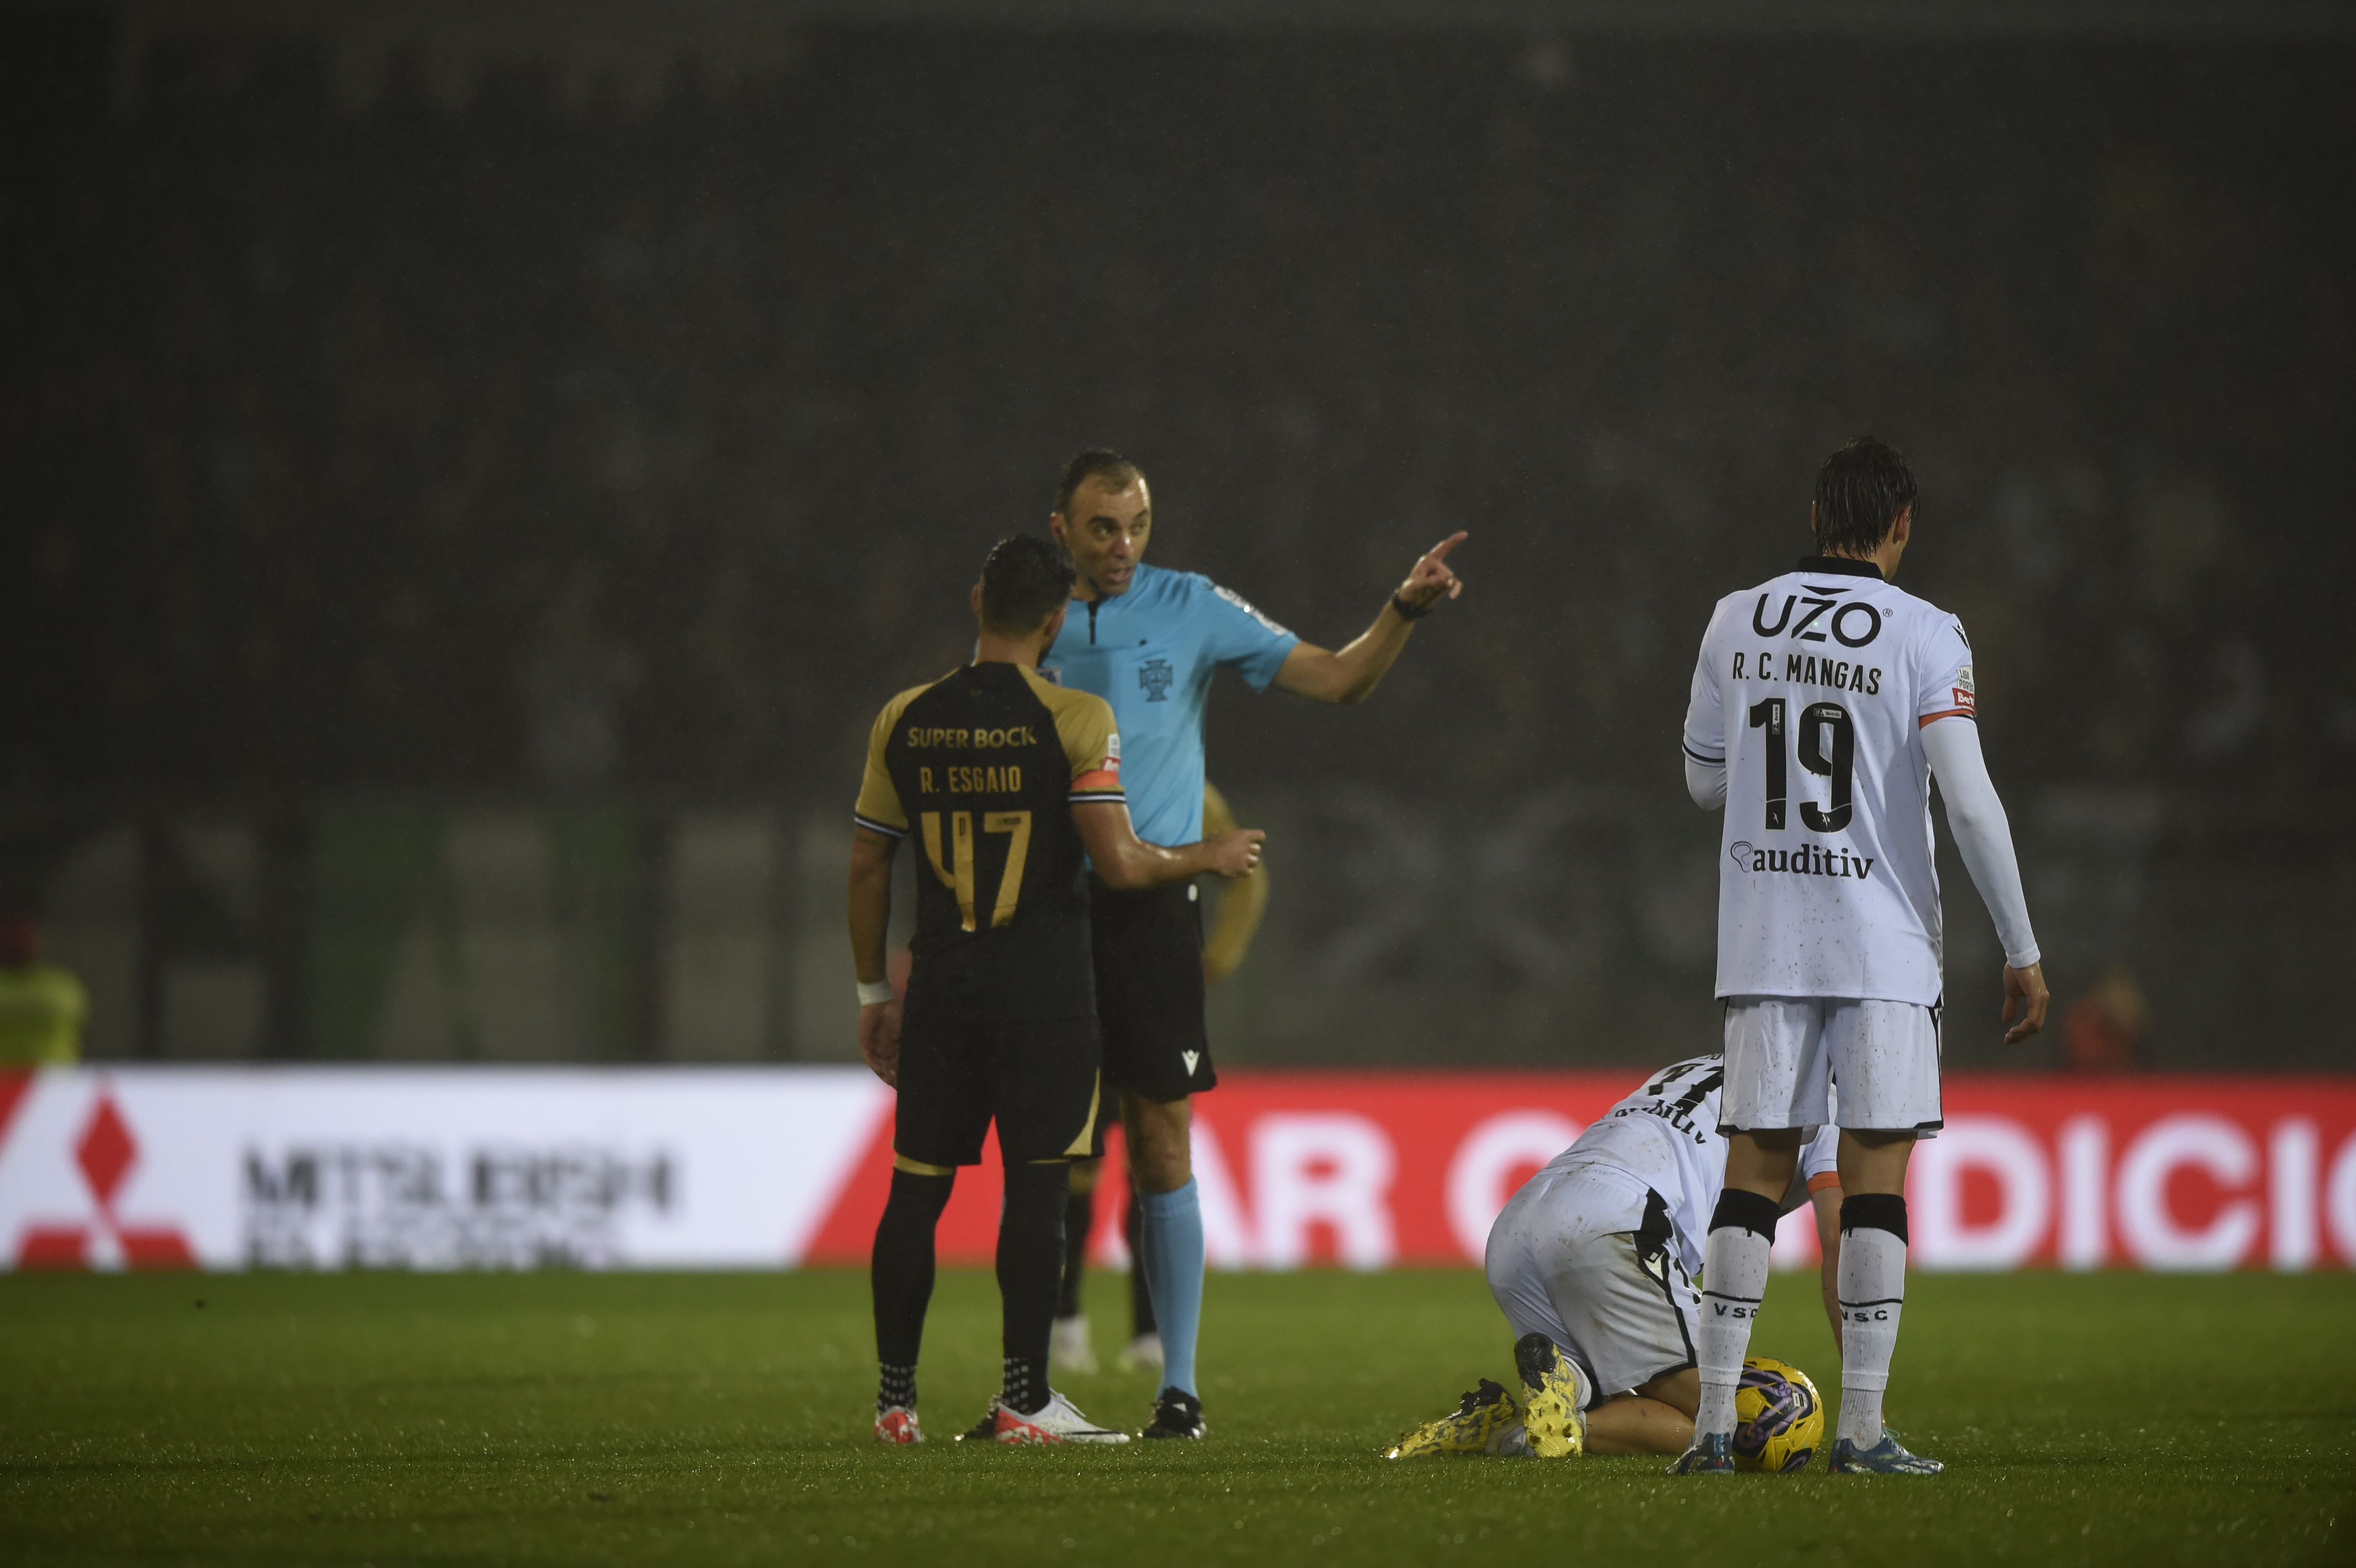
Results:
1779 1420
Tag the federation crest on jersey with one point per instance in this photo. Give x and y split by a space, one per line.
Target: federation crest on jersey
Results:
1156 676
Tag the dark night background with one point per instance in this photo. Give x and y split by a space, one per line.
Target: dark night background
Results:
431 437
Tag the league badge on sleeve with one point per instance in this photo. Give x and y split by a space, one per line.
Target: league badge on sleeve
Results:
1249 608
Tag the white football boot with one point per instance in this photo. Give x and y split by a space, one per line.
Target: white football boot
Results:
1059 1421
1068 1349
1143 1351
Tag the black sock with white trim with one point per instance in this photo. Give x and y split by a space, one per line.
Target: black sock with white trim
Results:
1029 1273
900 1277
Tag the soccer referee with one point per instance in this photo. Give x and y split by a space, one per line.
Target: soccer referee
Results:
1006 783
1149 640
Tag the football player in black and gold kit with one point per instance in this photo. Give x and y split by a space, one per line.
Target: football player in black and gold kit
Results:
1006 781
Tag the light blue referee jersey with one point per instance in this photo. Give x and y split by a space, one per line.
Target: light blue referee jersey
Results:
1150 652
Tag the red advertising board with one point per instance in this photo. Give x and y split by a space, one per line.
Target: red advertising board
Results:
142 1166
1371 1170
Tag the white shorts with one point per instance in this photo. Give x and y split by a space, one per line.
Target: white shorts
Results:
1590 1263
1782 1053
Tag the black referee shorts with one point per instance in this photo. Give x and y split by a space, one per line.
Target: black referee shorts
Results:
1037 1078
1149 956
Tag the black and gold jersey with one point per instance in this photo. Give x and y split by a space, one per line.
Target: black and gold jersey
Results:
981 769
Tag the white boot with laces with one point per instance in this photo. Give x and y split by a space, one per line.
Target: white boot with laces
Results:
1068 1349
1059 1421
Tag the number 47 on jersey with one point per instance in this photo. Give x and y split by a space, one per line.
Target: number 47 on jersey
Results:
957 872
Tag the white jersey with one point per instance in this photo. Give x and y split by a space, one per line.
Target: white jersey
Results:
1812 690
1665 1136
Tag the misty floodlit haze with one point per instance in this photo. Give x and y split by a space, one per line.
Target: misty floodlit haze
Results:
468 491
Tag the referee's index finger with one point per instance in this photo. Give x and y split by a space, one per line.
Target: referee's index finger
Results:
1440 551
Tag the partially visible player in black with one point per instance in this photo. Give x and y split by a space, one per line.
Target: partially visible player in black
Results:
1241 904
1007 781
1070 1348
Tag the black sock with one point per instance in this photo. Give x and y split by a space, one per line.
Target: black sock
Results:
1024 1390
1746 1211
1030 1268
896 1389
1079 1219
900 1275
1874 1211
1141 1295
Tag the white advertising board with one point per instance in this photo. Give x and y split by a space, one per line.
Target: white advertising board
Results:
426 1168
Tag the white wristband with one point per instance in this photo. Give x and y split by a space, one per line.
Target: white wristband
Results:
873 993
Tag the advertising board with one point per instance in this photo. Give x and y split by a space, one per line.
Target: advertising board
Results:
439 1167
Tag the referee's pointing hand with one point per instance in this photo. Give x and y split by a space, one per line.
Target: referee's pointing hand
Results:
1430 579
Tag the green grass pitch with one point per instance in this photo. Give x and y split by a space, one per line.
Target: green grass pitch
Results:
627 1419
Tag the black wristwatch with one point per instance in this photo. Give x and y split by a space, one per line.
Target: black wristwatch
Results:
1412 611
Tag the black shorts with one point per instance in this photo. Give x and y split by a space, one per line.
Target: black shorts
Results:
1149 956
1037 1079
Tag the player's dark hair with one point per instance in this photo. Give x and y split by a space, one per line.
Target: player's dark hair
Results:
1095 462
1860 490
1025 579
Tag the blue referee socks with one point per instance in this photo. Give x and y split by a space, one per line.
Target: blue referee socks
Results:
1173 1255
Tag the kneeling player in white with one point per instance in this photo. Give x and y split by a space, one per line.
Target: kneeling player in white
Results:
1593 1264
1830 684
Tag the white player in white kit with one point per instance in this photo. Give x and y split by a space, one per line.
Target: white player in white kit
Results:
1593 1261
1824 702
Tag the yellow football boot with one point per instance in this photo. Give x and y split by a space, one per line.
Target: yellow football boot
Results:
1554 1398
1485 1415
